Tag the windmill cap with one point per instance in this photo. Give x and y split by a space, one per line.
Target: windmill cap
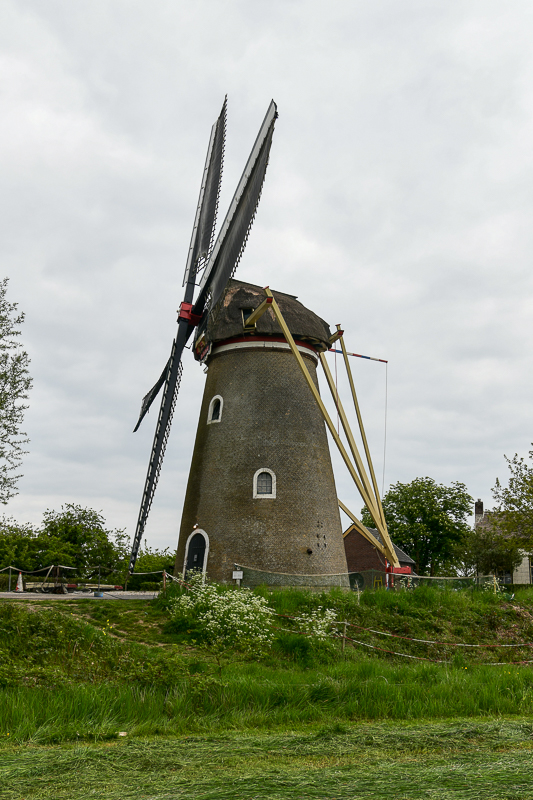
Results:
226 320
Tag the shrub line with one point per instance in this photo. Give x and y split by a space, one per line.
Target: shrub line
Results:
411 639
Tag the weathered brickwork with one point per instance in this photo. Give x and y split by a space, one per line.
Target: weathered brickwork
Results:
361 554
269 419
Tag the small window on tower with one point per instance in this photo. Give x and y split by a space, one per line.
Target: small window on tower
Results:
215 409
264 484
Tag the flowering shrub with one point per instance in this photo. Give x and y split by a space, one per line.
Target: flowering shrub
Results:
236 618
492 585
316 623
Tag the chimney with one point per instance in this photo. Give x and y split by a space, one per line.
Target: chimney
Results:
478 511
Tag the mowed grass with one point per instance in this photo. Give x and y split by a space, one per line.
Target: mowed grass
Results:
305 720
463 760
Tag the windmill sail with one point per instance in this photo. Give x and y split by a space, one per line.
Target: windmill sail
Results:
206 212
221 264
162 432
149 398
203 230
233 235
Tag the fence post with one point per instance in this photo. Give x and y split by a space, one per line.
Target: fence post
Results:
164 580
9 586
345 624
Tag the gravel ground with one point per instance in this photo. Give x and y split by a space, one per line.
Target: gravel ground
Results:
77 596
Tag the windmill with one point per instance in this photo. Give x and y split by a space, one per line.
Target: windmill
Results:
218 263
261 502
261 491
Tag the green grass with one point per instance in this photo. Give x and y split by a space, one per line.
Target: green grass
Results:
249 697
305 720
459 760
83 670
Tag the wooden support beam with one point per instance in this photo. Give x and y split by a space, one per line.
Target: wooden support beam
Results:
288 336
258 312
383 528
337 335
369 499
358 525
360 422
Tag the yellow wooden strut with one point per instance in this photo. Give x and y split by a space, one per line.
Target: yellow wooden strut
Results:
369 499
362 529
372 503
361 426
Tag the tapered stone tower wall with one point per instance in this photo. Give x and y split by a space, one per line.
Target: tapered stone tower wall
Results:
267 422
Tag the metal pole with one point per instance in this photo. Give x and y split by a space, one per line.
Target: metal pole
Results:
9 584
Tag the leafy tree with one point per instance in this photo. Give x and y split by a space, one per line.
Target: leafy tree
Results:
514 513
150 560
77 537
15 383
154 560
426 519
17 544
485 550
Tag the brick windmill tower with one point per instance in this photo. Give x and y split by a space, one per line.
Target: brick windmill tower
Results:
261 492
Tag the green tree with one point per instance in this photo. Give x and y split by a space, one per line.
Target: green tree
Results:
15 383
17 544
150 560
485 550
427 520
77 537
513 516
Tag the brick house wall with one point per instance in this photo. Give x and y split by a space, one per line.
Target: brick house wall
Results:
361 554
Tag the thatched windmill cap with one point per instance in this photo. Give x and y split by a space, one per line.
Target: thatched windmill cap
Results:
227 320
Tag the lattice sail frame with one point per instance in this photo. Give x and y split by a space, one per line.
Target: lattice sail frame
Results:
220 262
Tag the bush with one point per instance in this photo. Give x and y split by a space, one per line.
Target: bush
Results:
223 618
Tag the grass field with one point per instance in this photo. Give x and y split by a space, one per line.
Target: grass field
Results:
438 760
304 720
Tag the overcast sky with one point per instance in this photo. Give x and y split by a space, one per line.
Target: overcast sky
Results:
398 202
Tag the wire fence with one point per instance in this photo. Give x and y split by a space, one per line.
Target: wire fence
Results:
252 578
339 628
357 581
345 625
54 580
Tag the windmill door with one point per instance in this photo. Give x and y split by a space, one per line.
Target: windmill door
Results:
196 553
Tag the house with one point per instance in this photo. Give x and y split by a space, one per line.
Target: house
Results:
523 573
363 556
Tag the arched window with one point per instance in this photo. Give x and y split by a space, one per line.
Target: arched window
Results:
215 409
264 484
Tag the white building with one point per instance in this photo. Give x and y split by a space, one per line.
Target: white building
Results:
523 573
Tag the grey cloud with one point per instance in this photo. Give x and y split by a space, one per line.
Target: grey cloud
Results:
398 202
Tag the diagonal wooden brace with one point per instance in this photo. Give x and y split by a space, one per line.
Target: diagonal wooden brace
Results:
369 502
258 313
363 530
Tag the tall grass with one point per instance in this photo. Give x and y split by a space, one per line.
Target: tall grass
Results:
64 679
250 696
